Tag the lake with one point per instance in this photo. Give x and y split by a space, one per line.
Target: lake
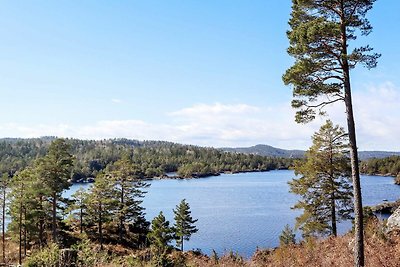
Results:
241 212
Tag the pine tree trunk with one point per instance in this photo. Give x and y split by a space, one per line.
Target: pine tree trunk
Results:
20 235
81 219
121 219
182 243
333 215
41 222
25 233
100 227
332 181
54 221
355 173
358 212
3 234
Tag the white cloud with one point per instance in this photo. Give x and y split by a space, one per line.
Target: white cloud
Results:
376 112
377 116
116 100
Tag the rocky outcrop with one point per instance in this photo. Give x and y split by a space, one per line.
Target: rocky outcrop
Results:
393 222
386 207
397 179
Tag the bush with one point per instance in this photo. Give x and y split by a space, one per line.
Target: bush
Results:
45 257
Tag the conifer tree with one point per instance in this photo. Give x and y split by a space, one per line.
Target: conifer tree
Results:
79 207
4 186
287 236
128 192
320 34
20 204
324 184
29 198
184 223
100 205
55 171
161 234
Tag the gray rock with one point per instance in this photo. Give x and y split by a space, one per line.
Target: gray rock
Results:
393 222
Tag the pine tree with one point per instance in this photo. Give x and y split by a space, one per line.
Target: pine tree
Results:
21 197
184 223
4 186
55 170
161 234
128 192
320 34
100 205
324 184
287 236
78 209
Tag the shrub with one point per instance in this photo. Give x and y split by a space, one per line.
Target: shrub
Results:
45 257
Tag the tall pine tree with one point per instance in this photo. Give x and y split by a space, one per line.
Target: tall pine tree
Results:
128 192
55 171
100 205
320 34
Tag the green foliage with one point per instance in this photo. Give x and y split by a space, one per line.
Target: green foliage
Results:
184 223
128 192
160 234
100 206
324 184
385 166
319 37
78 209
28 208
54 171
56 167
152 158
48 256
287 236
88 255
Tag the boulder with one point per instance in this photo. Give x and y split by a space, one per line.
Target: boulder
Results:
393 222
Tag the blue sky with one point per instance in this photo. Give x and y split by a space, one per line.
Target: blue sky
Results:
199 72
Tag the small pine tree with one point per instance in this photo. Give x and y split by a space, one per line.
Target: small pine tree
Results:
161 234
184 223
78 208
324 183
287 236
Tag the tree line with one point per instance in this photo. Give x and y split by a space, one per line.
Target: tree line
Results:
385 166
153 158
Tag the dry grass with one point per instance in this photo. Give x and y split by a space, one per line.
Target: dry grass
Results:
380 251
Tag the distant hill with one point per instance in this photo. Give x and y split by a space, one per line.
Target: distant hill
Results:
266 150
377 154
270 151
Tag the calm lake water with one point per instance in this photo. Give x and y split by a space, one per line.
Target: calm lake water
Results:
241 212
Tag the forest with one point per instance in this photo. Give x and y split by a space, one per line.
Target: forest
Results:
154 158
108 213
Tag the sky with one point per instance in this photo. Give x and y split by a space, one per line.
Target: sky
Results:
206 72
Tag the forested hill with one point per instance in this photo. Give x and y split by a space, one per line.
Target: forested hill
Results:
153 158
270 151
266 150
